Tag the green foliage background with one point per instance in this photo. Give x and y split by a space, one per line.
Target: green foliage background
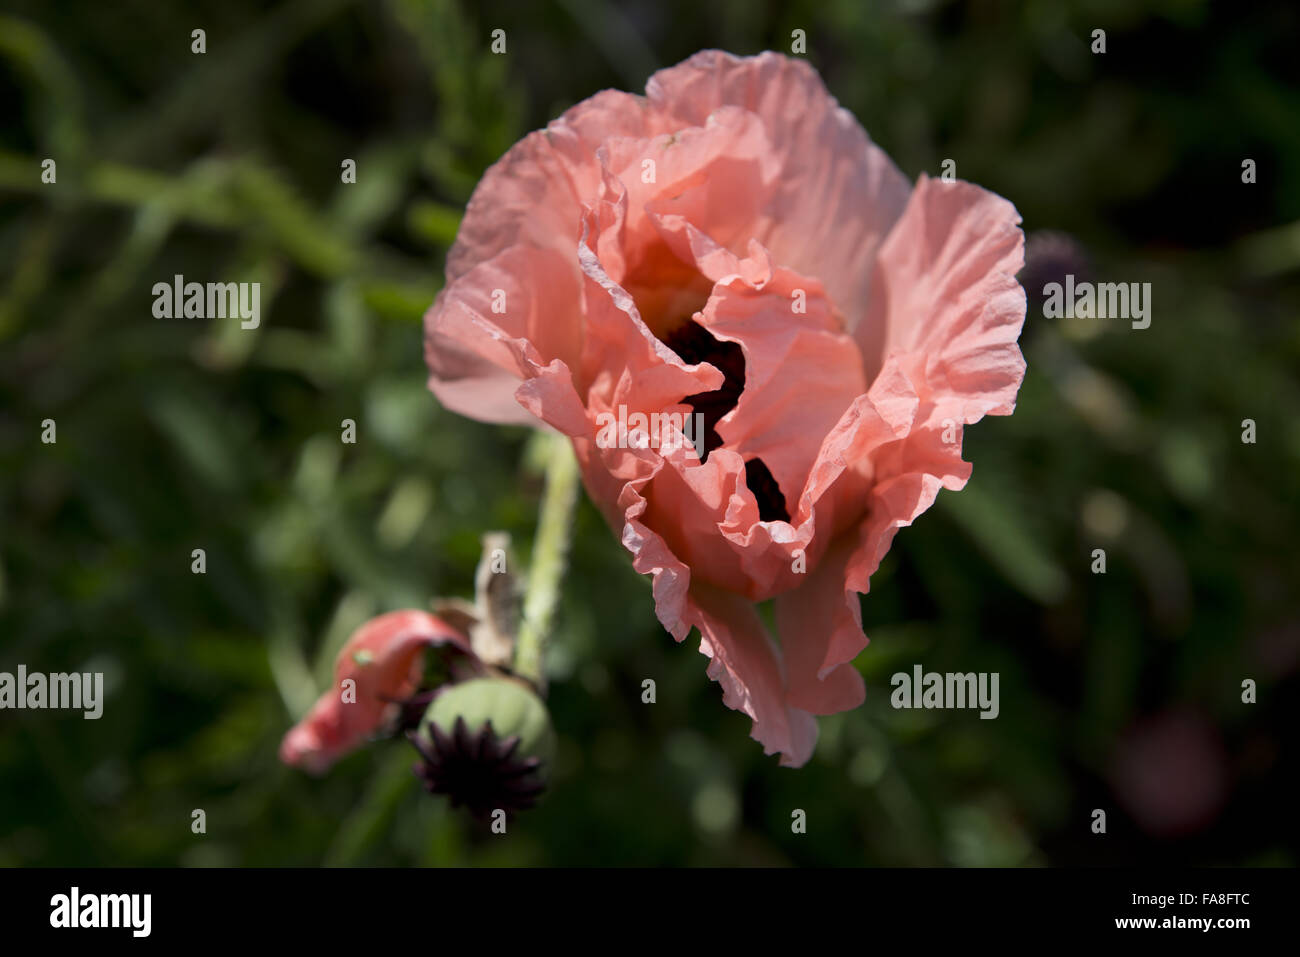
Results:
174 435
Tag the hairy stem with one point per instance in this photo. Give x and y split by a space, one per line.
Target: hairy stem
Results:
550 558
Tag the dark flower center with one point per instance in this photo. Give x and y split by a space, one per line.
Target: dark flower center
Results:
695 344
478 770
771 503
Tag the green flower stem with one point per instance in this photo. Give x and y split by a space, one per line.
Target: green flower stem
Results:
550 558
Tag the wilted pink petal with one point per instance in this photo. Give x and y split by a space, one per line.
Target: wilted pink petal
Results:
384 660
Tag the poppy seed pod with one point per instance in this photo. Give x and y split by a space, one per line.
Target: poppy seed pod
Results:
487 744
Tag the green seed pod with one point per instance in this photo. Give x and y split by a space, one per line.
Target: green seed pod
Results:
487 744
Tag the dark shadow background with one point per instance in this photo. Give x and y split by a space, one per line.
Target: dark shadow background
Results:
1119 691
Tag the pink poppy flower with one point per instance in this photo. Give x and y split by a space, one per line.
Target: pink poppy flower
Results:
385 660
733 247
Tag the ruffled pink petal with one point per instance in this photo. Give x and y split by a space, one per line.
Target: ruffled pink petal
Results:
519 234
837 193
688 502
744 659
950 311
383 659
801 374
623 362
801 371
495 326
820 624
533 195
945 289
748 666
719 176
